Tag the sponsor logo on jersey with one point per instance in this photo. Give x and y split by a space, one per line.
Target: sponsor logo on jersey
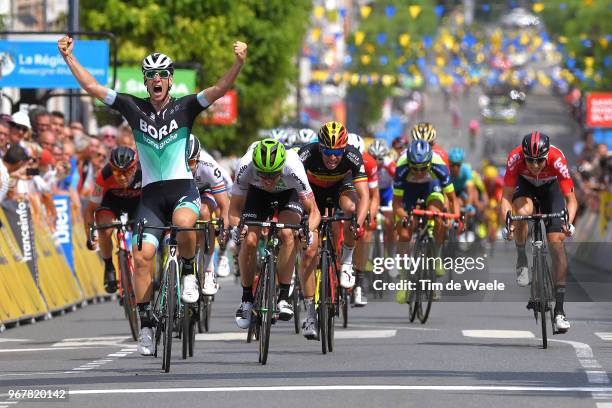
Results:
354 158
562 167
240 173
513 160
299 180
158 134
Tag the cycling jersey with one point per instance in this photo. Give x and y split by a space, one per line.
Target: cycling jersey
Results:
442 153
293 176
556 168
371 170
495 188
106 184
386 172
161 138
319 175
480 187
464 179
209 175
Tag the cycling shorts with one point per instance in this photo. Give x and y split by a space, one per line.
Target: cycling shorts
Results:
258 205
386 197
325 196
159 200
430 191
549 196
120 205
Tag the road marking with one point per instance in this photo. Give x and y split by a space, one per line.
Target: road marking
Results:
604 405
21 350
7 340
34 373
339 334
606 336
597 377
499 334
373 326
117 354
308 388
114 341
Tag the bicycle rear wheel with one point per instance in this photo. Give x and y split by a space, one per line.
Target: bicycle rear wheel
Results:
345 299
332 300
267 310
295 301
425 274
129 298
542 297
169 318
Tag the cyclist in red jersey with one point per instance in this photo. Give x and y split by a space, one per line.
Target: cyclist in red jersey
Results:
117 189
361 249
538 170
426 131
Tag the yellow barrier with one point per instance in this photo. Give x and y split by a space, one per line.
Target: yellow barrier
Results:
19 296
87 264
57 283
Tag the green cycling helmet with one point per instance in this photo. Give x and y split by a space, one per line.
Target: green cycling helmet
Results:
269 156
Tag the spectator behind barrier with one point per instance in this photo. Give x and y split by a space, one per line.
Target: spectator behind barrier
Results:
47 139
20 128
5 130
12 168
126 137
41 121
58 121
108 136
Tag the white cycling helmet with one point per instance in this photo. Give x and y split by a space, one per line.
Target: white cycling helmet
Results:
157 60
378 149
280 135
194 147
357 142
305 136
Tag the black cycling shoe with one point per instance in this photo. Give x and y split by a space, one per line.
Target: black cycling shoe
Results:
110 280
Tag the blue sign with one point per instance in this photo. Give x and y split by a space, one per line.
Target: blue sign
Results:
63 227
39 64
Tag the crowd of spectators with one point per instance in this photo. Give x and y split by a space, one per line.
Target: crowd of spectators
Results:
43 155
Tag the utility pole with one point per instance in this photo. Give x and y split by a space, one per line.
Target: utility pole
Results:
73 26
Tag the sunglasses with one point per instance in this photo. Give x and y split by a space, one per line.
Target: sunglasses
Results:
420 167
269 176
535 160
333 152
163 74
124 172
20 128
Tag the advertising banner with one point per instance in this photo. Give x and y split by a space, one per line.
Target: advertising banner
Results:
223 112
39 64
20 220
599 110
63 227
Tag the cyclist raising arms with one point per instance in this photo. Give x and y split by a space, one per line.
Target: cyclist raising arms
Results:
161 126
117 189
268 173
535 169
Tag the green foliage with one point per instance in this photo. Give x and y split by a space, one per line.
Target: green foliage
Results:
369 109
203 32
580 21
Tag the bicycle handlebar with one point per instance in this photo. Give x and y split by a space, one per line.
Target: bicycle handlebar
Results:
433 214
142 228
536 217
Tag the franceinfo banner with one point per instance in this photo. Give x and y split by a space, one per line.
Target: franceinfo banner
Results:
482 273
39 64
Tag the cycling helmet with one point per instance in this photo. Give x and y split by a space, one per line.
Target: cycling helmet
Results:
305 136
490 172
157 60
419 152
536 144
269 156
356 141
378 149
456 155
424 131
194 147
333 135
280 135
123 158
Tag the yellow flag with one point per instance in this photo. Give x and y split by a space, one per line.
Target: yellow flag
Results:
315 34
538 7
588 2
440 61
354 79
364 80
604 42
404 40
319 11
369 47
375 78
589 61
359 36
365 11
414 10
365 59
563 39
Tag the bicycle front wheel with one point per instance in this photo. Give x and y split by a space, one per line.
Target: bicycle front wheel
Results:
170 310
323 310
129 298
267 310
332 302
426 274
542 297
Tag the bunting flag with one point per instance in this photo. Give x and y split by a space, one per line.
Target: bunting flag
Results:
365 11
404 40
439 10
414 10
390 11
538 7
315 34
359 36
319 11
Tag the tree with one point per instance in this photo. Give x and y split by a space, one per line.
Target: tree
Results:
203 32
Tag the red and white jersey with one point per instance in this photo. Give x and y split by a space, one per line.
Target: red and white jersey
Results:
386 172
442 153
556 168
371 170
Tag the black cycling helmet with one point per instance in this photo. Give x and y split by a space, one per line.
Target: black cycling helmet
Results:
123 158
536 144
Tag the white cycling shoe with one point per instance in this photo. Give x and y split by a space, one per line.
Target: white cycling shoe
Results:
189 289
223 268
210 284
522 276
561 323
146 347
347 276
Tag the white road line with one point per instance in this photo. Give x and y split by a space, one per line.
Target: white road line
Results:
486 388
117 355
82 368
604 405
7 340
499 334
374 326
364 334
34 373
597 377
27 350
607 336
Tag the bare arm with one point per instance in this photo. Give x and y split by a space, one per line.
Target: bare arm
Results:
226 81
83 77
223 202
314 216
235 210
364 199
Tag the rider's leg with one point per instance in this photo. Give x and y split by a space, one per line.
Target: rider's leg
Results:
348 204
286 262
522 206
105 242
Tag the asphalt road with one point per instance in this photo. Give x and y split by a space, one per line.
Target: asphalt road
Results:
477 350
